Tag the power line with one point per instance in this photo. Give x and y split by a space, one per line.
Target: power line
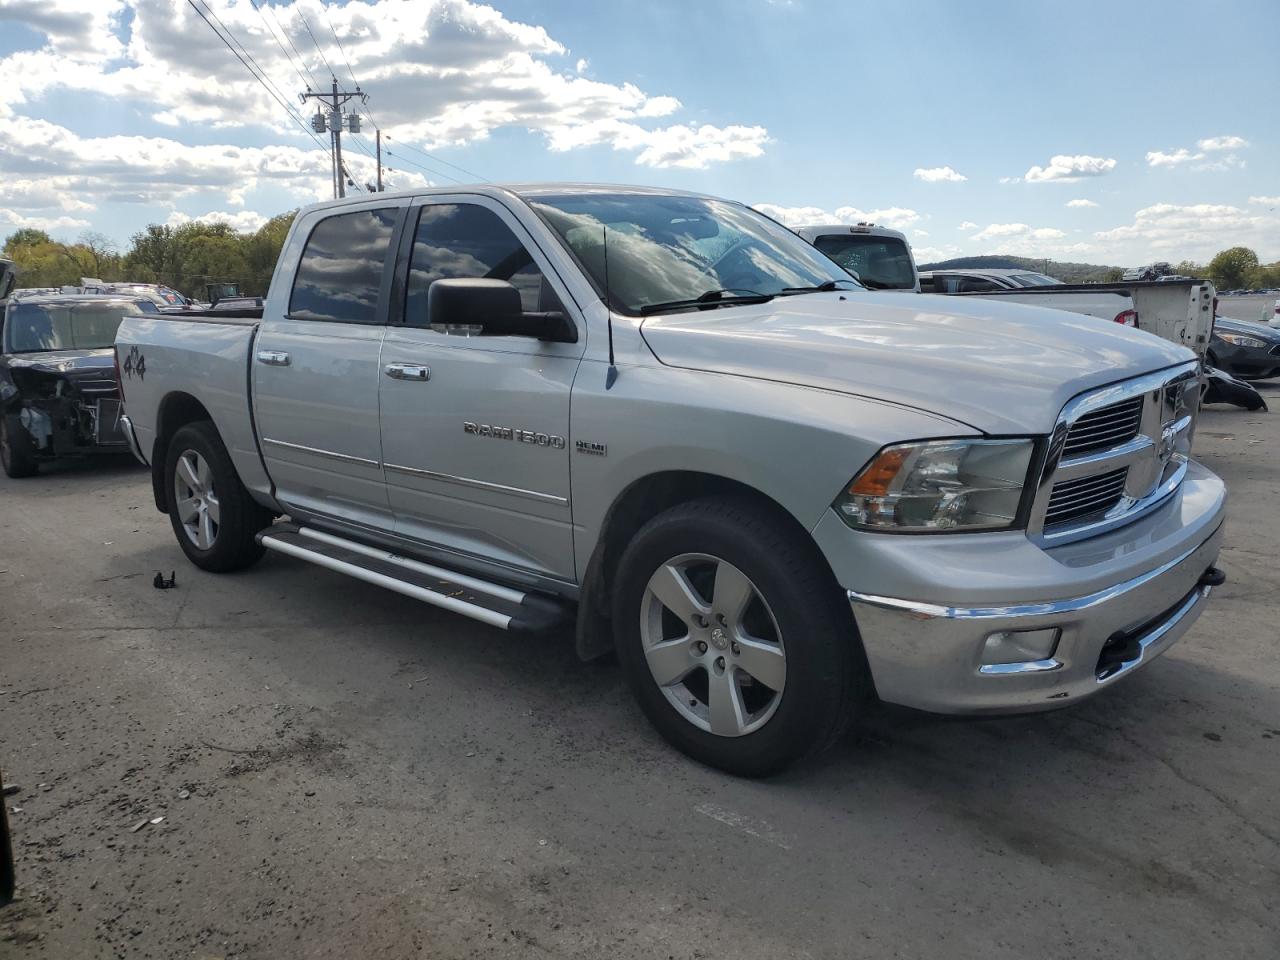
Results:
401 158
469 173
286 107
292 63
325 11
292 46
258 67
303 17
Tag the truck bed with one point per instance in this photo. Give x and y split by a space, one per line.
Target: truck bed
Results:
194 356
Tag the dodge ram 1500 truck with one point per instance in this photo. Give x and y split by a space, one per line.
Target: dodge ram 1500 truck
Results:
768 489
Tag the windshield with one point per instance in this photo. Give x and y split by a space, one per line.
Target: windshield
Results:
665 249
35 327
1034 280
881 263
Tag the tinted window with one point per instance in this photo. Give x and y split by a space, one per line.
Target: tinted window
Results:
33 327
976 285
1034 280
881 263
463 240
341 268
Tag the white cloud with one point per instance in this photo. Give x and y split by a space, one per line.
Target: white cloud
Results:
919 233
939 175
243 221
1012 179
967 225
995 231
582 65
1196 231
897 218
1068 169
444 72
1222 143
1200 159
18 221
1159 158
1081 202
1266 201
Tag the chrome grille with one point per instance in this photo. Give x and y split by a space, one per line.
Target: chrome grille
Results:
1108 427
1085 497
1116 453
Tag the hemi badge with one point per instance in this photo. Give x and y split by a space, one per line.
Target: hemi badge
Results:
595 449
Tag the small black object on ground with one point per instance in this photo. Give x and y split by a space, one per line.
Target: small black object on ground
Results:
160 583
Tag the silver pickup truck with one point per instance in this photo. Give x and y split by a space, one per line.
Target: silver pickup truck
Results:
771 491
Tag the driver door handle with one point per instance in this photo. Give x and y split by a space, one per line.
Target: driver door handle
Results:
273 358
408 371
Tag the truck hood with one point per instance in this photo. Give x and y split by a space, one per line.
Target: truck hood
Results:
64 361
1002 368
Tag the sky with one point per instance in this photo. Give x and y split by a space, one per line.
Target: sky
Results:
1108 132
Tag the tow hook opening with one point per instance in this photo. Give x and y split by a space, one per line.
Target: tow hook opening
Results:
1124 647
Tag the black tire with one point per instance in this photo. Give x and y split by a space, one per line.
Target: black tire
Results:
240 517
825 671
17 452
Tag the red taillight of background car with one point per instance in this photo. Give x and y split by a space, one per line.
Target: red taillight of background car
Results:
115 353
1127 318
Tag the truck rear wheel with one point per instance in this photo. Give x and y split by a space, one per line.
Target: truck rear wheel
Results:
214 518
17 453
732 636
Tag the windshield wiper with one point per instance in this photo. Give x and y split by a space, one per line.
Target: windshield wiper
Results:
825 287
712 298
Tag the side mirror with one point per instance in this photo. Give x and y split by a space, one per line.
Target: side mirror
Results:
492 308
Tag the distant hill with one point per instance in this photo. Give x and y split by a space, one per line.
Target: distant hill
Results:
1066 272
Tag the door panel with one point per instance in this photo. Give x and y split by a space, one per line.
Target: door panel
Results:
315 366
476 455
318 418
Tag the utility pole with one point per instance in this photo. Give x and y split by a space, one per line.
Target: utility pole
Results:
379 145
337 118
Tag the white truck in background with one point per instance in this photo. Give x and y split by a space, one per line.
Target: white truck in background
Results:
1180 311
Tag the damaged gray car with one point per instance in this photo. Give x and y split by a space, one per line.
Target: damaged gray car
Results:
59 388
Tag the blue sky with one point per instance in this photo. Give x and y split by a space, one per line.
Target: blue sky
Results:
969 126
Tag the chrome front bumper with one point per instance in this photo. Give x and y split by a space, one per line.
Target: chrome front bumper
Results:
935 656
126 427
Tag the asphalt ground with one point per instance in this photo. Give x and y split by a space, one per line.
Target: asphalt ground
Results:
346 773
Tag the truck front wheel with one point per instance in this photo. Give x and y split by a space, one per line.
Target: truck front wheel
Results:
731 633
214 518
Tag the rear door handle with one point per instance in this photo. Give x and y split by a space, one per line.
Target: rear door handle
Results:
274 358
408 371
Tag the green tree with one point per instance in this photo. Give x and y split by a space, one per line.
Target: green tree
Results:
25 237
1228 269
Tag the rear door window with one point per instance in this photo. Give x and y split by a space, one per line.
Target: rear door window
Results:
340 273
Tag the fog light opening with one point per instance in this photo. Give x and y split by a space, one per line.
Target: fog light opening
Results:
1020 646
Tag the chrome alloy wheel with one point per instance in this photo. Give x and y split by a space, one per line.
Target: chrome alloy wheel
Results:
712 644
197 501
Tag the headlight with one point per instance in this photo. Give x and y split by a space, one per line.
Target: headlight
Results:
939 485
1241 340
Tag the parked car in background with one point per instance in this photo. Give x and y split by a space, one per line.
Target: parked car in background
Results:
879 257
1245 349
982 281
765 488
157 293
59 389
1153 271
